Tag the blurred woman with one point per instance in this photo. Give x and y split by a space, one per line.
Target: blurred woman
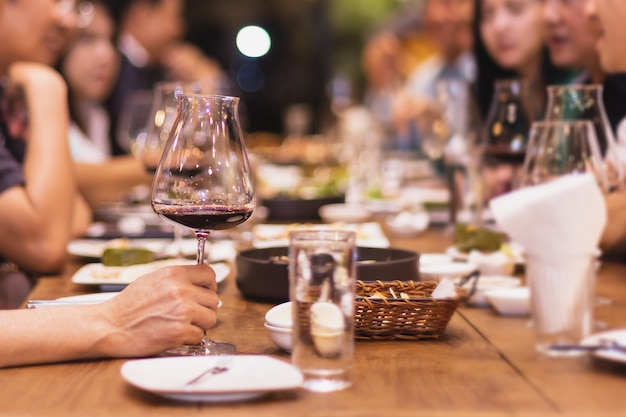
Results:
91 67
509 43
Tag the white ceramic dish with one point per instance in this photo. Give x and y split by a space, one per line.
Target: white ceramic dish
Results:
368 234
280 316
487 283
407 224
280 335
216 251
510 301
98 274
451 270
434 259
618 336
516 253
248 377
349 213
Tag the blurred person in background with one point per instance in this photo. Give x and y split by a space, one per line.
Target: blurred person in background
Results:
610 16
572 39
150 40
39 207
414 109
510 44
90 67
40 210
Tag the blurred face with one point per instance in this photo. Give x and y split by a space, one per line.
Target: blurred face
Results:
611 17
158 25
91 63
570 36
36 30
450 23
512 32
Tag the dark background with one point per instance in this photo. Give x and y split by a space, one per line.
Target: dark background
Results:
313 42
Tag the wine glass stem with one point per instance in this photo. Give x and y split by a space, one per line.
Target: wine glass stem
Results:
201 241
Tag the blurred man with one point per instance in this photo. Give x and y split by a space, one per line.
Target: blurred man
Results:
571 38
150 41
449 22
610 15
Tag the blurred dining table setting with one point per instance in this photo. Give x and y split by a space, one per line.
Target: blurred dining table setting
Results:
484 362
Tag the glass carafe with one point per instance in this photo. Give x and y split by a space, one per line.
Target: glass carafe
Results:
584 102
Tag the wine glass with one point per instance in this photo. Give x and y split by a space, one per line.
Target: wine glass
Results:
566 147
584 102
504 136
203 180
147 145
558 148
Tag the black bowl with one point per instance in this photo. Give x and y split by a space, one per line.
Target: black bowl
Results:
262 273
291 209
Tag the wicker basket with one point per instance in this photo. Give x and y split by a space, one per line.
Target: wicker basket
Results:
413 315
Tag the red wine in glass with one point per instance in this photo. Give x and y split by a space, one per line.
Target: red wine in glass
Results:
204 218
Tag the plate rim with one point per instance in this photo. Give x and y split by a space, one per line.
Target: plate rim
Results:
77 277
610 355
206 393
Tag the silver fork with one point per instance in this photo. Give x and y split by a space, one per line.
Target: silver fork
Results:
220 367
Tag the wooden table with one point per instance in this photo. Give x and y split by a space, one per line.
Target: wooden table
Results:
484 365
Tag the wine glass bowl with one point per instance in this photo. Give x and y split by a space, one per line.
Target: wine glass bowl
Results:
558 148
584 102
203 180
504 135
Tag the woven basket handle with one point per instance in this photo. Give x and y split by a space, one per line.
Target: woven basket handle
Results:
474 275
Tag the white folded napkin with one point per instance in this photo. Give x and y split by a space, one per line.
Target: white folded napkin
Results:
561 218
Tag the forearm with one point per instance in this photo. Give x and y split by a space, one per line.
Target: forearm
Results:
52 334
109 180
50 184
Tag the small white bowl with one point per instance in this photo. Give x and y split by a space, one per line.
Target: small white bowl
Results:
434 259
510 301
406 223
451 270
281 336
488 283
280 316
349 213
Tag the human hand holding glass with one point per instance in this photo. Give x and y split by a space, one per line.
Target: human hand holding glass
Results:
203 180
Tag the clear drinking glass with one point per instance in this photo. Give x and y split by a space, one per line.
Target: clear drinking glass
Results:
203 180
558 148
584 102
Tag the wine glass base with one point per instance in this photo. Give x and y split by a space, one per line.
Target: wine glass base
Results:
203 349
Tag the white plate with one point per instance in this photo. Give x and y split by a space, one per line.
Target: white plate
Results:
98 274
216 251
516 250
451 270
349 213
270 235
618 336
513 301
249 376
